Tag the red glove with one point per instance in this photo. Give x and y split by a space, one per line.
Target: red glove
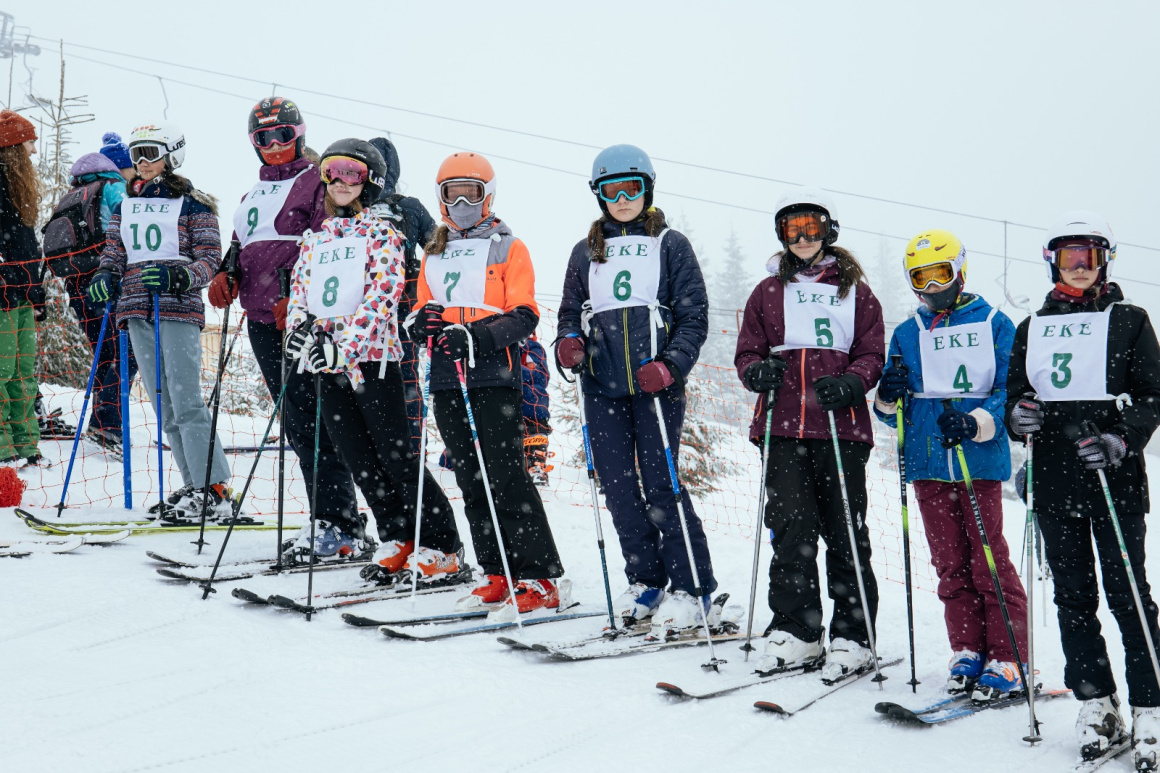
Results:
570 353
654 376
222 291
280 309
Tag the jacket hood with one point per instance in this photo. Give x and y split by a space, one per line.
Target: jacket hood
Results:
92 163
391 156
85 179
273 172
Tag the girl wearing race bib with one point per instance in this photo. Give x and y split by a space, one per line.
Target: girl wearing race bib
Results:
285 203
812 339
344 315
1084 383
957 346
475 303
632 322
164 240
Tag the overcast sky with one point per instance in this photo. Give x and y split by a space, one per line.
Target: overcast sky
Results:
1005 110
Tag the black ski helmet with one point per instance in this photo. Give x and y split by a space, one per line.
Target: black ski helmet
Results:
277 111
362 150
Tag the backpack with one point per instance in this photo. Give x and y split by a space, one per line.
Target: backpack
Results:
73 237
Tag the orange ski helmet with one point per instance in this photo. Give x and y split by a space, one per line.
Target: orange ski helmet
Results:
466 177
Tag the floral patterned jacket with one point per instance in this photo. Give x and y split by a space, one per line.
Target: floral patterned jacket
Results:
371 334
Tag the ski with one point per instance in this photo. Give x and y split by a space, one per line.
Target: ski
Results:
437 631
640 629
26 516
22 548
106 539
827 689
350 596
153 527
188 565
188 575
249 596
956 707
725 685
1113 751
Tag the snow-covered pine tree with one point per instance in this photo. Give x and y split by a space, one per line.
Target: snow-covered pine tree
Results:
729 284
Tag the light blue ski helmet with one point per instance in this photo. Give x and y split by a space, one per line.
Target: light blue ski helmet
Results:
621 161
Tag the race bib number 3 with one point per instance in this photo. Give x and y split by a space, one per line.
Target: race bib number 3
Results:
1067 356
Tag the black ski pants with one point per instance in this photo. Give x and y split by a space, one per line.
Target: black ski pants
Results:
804 501
337 503
1067 541
369 425
531 549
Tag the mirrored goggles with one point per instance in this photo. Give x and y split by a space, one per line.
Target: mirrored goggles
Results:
471 191
938 274
631 188
811 226
276 135
1072 257
145 152
349 170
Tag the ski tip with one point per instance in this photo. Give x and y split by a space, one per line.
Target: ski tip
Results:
770 708
169 574
358 621
671 689
884 707
396 633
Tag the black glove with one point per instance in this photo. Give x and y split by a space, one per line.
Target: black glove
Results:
103 286
835 392
1098 451
895 384
765 376
454 342
1027 416
957 426
298 340
325 356
428 323
166 279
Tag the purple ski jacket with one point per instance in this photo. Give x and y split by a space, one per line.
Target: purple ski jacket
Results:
259 261
796 412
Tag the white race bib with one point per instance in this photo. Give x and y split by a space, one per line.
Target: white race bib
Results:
630 277
149 229
816 318
254 217
1067 356
957 361
458 275
337 277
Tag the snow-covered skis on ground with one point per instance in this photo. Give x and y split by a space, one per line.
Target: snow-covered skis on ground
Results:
164 559
824 690
955 707
449 628
362 595
22 548
1087 766
135 527
240 572
723 685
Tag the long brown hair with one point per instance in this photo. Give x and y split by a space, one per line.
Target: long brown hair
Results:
654 223
850 270
23 183
438 243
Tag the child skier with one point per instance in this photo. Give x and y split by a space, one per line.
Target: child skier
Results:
476 302
164 241
1084 385
811 340
343 311
632 321
957 346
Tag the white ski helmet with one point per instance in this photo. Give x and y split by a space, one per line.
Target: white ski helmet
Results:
808 200
167 136
1079 224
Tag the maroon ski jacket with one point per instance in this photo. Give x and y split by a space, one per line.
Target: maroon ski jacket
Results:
796 412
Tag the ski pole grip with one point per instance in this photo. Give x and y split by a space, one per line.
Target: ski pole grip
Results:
947 405
283 283
896 360
231 261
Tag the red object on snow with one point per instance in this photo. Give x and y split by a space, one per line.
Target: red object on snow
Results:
11 487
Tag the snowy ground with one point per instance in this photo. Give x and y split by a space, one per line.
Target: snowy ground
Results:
107 668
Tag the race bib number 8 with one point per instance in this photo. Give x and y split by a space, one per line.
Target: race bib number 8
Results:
337 277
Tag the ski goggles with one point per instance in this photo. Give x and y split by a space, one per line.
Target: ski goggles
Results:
343 168
276 135
1070 257
938 274
462 189
811 226
146 151
631 188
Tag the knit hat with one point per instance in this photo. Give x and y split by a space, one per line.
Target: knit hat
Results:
15 129
115 150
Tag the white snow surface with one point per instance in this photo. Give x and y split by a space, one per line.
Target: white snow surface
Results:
107 668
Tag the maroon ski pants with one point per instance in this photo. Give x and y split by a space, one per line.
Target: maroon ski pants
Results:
971 608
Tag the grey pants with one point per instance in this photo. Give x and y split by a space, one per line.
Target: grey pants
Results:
184 415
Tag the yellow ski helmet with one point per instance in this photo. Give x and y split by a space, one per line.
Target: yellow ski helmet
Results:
936 268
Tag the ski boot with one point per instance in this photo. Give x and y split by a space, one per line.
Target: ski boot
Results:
52 426
531 595
784 651
846 658
491 593
999 679
109 442
637 604
966 666
1145 738
166 507
332 544
186 510
681 613
1099 726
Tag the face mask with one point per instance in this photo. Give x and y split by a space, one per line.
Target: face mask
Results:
943 299
278 155
465 215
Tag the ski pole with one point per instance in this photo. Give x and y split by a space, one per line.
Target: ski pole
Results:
878 677
283 292
213 428
487 484
157 403
314 499
1093 430
422 466
1028 688
595 501
900 424
207 586
1031 569
126 462
84 407
770 399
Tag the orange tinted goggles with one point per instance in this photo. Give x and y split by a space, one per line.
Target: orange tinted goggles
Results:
1089 257
811 226
940 274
